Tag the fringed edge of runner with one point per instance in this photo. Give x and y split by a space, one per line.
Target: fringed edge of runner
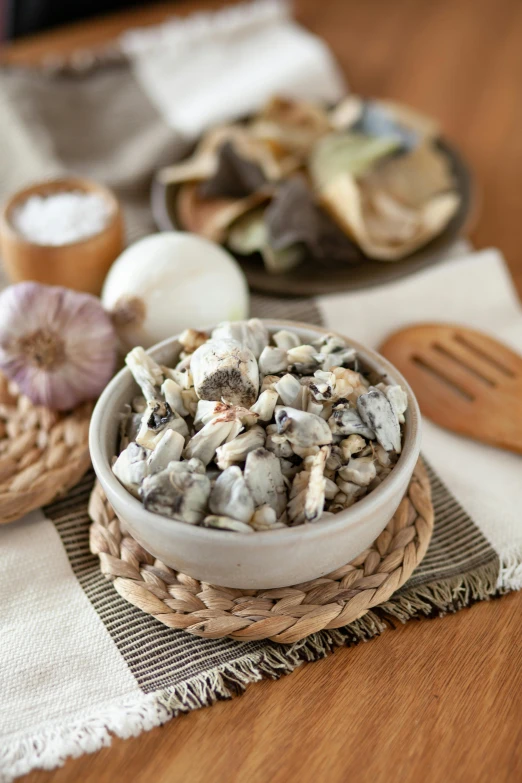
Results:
51 747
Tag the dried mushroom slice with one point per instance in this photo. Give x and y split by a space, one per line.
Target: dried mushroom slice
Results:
347 153
384 228
249 234
235 176
294 218
204 162
290 126
211 218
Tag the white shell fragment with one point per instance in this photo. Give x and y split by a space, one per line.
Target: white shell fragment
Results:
251 334
204 444
376 411
157 417
168 449
398 400
177 492
361 471
265 518
272 361
315 491
237 450
265 480
146 372
265 406
223 369
286 340
347 421
230 496
131 467
173 394
289 390
251 432
226 523
302 429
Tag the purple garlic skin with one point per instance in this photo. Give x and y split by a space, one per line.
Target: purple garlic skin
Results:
57 345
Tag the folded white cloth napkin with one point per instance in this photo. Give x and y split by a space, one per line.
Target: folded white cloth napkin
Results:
474 291
219 66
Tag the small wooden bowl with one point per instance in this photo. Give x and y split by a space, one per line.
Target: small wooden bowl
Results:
80 265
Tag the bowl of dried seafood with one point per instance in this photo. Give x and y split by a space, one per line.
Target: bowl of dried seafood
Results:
311 199
258 454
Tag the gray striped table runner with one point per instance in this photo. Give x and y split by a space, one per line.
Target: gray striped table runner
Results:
460 567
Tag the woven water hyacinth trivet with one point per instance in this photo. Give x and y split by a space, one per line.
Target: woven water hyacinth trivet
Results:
42 453
283 615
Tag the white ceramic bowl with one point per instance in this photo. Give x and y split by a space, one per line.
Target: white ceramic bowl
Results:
268 559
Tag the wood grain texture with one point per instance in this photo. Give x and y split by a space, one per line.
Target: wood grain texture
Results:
436 700
463 380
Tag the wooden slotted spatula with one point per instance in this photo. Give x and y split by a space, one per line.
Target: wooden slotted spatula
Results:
463 380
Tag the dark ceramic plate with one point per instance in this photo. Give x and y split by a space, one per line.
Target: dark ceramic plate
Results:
312 278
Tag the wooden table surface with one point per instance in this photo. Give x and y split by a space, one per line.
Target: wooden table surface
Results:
437 700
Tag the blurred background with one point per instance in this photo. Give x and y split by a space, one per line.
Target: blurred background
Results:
458 60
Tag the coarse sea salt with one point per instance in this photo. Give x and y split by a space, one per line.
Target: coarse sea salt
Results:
61 218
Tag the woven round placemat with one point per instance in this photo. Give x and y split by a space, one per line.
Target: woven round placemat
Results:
42 453
283 615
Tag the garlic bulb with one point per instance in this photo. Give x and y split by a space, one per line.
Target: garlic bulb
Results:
169 281
57 345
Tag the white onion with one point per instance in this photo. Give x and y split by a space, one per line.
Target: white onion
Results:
170 281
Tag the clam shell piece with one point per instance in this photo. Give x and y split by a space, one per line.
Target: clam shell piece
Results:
348 421
350 493
251 334
173 394
330 489
231 497
158 416
237 450
272 360
168 449
290 390
226 523
361 471
131 467
398 400
279 446
303 358
285 339
146 372
265 518
265 480
302 429
265 406
177 492
223 369
377 413
315 491
204 444
352 445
